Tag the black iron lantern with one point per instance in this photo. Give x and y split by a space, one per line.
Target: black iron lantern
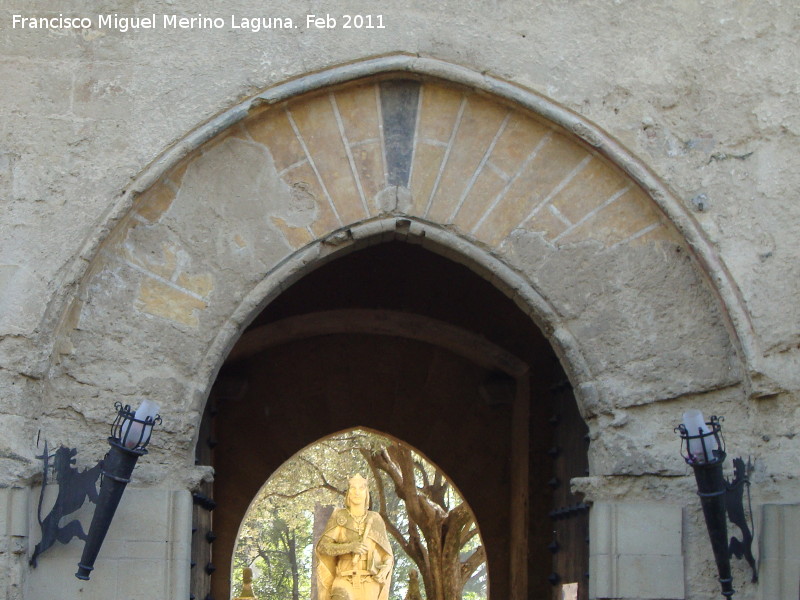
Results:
703 448
130 435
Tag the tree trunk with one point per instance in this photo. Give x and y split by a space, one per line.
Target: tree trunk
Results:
445 530
292 548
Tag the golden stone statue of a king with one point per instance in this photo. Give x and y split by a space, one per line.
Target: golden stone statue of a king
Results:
354 556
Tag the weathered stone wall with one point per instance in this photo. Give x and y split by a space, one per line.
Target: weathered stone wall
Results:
106 294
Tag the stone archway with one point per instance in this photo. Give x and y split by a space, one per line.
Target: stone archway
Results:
469 174
532 198
373 339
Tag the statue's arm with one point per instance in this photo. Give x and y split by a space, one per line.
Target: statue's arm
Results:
386 560
385 568
331 548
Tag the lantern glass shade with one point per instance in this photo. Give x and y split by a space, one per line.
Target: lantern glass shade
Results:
131 429
702 441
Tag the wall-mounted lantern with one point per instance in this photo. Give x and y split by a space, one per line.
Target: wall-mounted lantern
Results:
130 434
703 448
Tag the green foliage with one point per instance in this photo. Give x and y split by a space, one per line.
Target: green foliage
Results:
276 552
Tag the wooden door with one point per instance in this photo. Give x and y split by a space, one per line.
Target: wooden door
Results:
570 514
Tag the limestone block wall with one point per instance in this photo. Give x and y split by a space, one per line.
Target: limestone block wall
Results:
14 539
780 553
645 216
145 555
296 182
708 128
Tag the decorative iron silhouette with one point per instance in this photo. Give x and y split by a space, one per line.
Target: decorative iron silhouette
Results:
74 487
734 504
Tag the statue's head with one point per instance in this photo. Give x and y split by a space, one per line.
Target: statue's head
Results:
357 492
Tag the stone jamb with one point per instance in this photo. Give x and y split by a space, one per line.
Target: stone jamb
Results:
779 552
636 551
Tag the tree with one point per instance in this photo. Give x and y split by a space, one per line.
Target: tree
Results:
431 528
277 554
440 524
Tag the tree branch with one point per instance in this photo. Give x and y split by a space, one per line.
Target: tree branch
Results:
475 560
470 534
376 477
420 467
301 492
325 483
417 546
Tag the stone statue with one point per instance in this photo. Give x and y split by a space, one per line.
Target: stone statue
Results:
413 586
355 558
247 585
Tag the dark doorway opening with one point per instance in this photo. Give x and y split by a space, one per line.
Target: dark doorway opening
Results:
281 390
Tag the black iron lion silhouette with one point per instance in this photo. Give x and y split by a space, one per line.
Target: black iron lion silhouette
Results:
74 487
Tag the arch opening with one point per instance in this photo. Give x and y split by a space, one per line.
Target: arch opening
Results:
343 347
288 515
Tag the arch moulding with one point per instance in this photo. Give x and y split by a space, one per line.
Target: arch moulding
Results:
529 195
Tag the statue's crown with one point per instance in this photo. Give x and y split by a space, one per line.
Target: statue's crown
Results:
357 478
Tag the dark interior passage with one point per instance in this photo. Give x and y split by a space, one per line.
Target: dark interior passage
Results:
270 403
